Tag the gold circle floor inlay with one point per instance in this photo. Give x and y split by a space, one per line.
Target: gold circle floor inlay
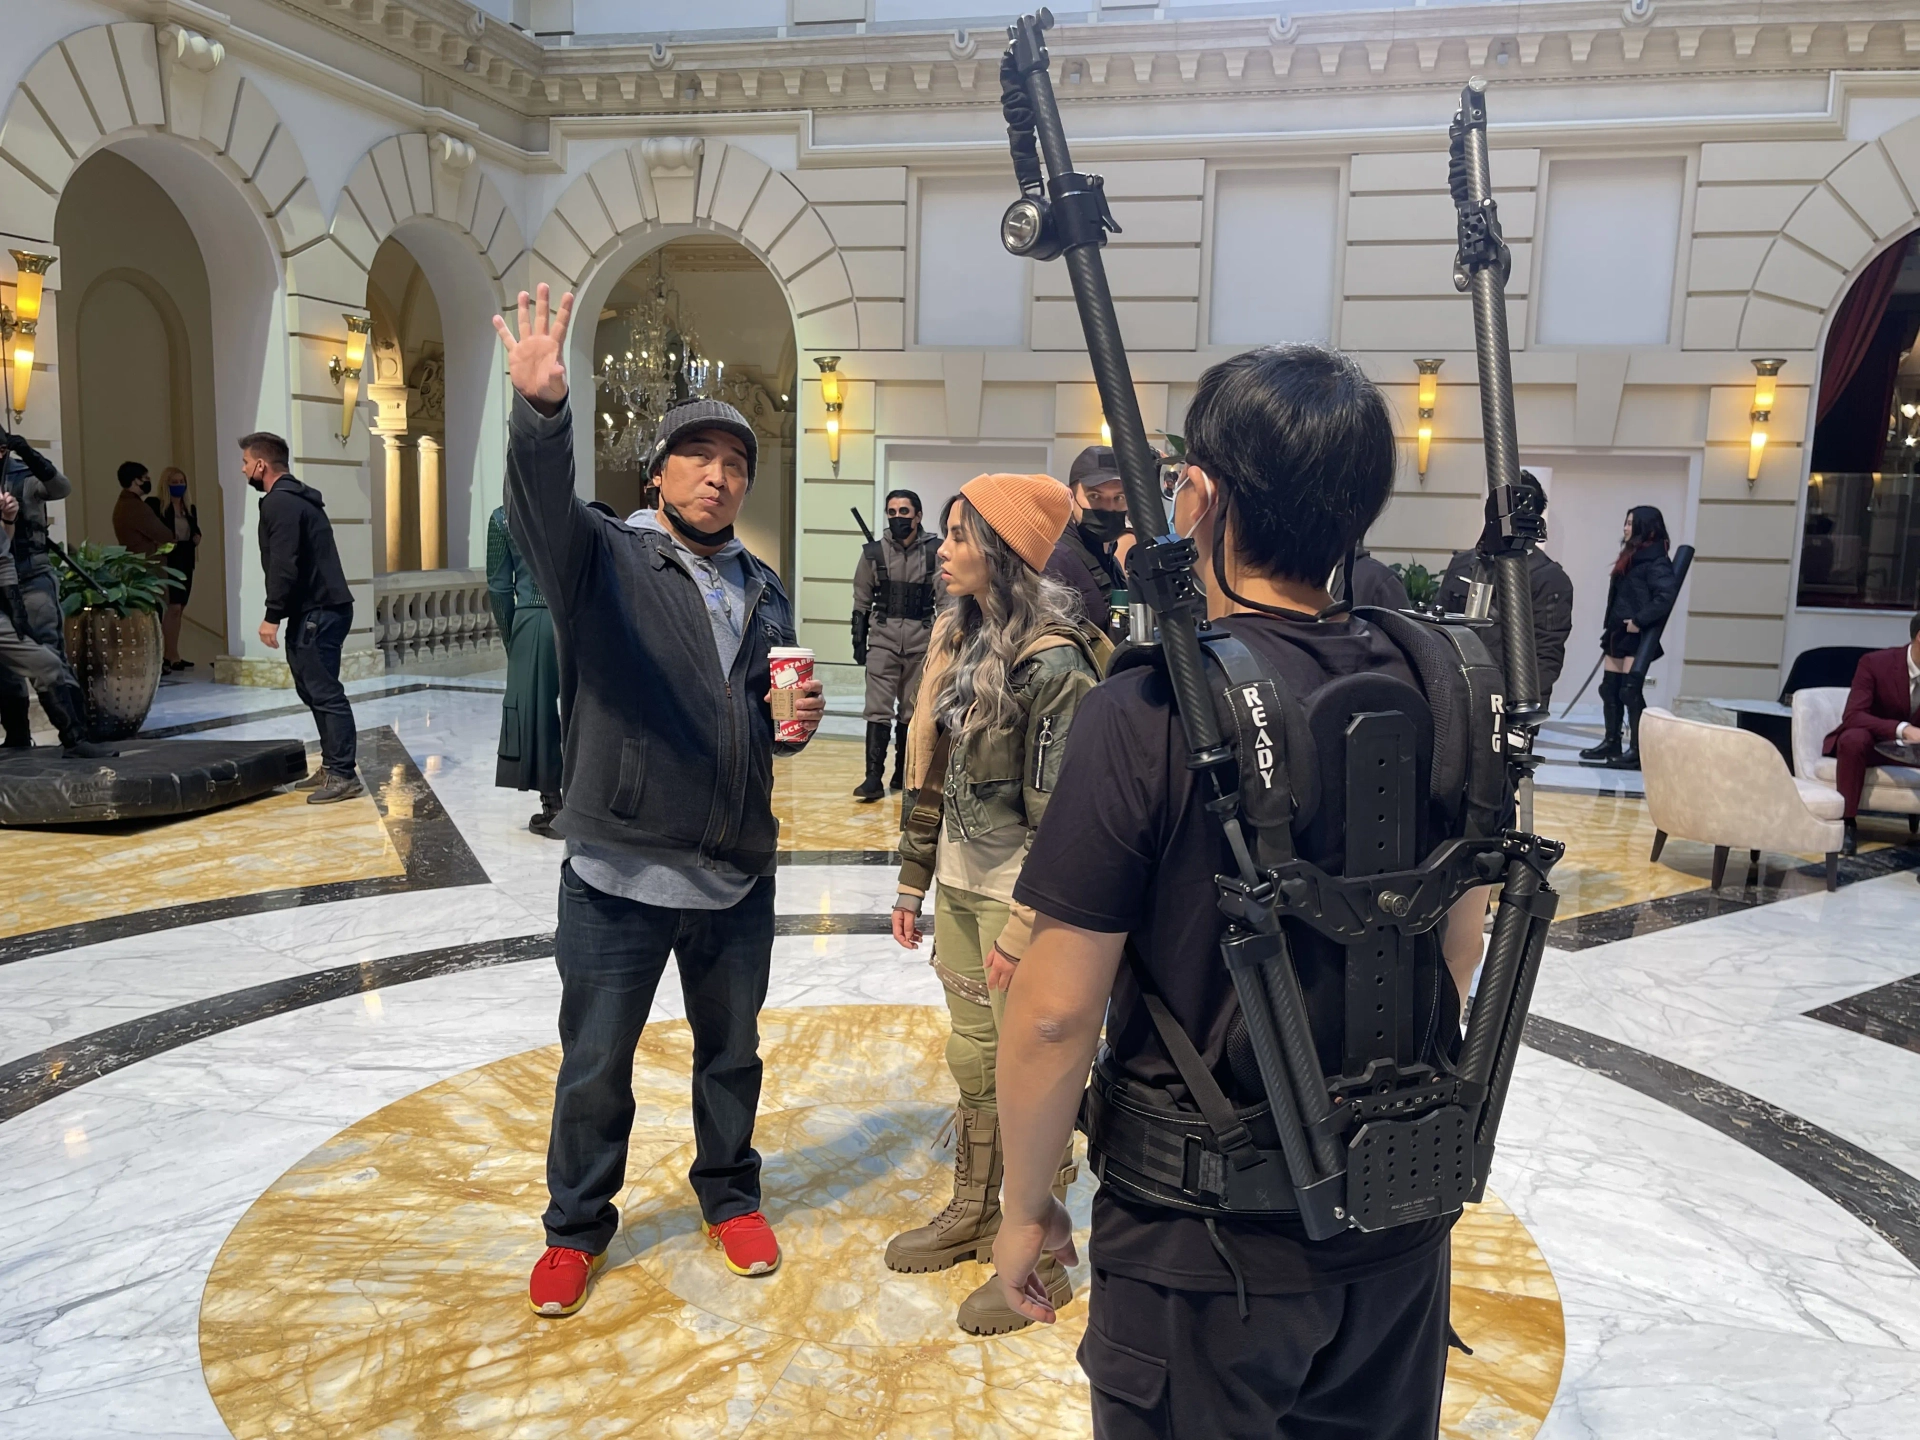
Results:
378 1287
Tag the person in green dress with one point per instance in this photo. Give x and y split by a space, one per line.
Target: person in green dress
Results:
529 752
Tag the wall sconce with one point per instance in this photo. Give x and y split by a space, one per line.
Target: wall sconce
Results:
1429 397
1762 414
832 396
1106 434
21 324
342 372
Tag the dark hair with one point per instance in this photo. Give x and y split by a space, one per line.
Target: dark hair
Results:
1913 626
1530 482
908 496
1645 526
130 471
268 446
946 510
1302 443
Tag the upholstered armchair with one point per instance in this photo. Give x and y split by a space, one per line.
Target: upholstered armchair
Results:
1730 789
1890 789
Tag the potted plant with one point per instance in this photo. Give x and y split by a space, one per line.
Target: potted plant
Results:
112 602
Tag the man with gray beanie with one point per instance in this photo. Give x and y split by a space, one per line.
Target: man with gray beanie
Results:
663 624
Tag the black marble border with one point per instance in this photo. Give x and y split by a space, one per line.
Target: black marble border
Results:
37 1078
280 712
430 845
1648 917
1887 1012
1881 1196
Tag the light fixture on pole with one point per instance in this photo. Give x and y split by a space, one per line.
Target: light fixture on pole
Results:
346 374
1429 397
832 396
1761 415
21 325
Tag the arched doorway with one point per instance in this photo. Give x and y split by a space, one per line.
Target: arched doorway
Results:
699 315
136 331
1860 538
407 386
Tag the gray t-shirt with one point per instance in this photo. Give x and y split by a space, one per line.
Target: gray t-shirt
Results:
621 870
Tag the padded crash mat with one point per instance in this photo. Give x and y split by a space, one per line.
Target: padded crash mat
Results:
148 780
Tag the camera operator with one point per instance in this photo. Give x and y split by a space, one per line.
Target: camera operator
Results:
1218 1325
32 480
25 661
663 626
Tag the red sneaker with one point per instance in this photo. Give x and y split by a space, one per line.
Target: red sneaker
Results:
559 1282
747 1243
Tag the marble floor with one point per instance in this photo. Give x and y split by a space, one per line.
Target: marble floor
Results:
273 1090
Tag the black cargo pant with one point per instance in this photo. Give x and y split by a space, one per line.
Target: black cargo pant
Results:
611 953
314 638
1363 1361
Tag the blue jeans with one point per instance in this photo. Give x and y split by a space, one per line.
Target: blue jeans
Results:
313 654
611 953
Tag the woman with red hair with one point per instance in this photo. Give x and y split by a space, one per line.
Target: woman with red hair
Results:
1640 596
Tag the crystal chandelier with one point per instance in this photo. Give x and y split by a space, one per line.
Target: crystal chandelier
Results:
651 363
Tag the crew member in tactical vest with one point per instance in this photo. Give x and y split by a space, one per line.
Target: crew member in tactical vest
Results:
1086 556
32 480
894 590
1208 1316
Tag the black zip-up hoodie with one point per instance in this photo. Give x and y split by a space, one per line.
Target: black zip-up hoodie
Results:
298 553
663 753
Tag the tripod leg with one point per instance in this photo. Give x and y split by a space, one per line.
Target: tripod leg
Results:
1719 864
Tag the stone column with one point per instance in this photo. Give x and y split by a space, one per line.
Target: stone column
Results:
392 509
433 525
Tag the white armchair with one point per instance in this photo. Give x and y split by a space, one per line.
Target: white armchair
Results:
1890 789
1729 788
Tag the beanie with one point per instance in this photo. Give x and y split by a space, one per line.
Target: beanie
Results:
701 414
1029 512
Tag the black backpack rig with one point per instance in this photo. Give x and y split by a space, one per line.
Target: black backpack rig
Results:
1396 1136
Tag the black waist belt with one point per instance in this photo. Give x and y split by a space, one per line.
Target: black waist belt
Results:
903 600
1163 1156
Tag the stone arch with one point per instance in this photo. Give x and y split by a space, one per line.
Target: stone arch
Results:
113 82
1870 197
432 177
660 183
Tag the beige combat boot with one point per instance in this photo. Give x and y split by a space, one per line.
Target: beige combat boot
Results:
965 1229
986 1311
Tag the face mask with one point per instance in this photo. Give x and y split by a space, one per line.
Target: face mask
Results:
177 491
146 487
257 483
900 526
687 530
1171 504
1103 526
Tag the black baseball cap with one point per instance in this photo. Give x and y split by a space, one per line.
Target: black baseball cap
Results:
701 414
1095 465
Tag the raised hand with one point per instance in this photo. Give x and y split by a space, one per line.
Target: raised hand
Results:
536 361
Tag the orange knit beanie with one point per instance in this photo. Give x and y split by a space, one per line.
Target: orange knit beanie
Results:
1029 512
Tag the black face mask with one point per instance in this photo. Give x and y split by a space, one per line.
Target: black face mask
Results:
687 530
257 483
1103 526
900 526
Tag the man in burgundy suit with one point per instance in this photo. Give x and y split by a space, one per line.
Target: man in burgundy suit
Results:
1884 704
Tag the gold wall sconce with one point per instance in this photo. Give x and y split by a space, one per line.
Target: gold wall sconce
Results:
833 396
1429 398
346 373
21 325
1762 414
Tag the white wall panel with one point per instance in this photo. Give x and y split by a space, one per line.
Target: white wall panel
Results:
1612 237
971 291
1274 235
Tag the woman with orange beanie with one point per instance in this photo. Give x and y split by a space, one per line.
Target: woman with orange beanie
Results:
1006 668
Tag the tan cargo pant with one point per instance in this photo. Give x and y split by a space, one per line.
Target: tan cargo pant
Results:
965 925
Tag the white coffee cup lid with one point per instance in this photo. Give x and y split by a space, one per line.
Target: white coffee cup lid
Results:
789 652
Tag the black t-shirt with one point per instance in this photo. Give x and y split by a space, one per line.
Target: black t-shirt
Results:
1126 846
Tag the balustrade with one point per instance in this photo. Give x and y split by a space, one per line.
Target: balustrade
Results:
436 620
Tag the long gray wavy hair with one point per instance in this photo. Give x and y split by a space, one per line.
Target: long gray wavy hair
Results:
989 632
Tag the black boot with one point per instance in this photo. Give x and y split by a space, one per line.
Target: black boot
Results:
73 740
871 789
1609 746
1633 696
1850 843
17 720
899 780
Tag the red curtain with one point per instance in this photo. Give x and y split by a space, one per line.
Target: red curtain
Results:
1855 324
